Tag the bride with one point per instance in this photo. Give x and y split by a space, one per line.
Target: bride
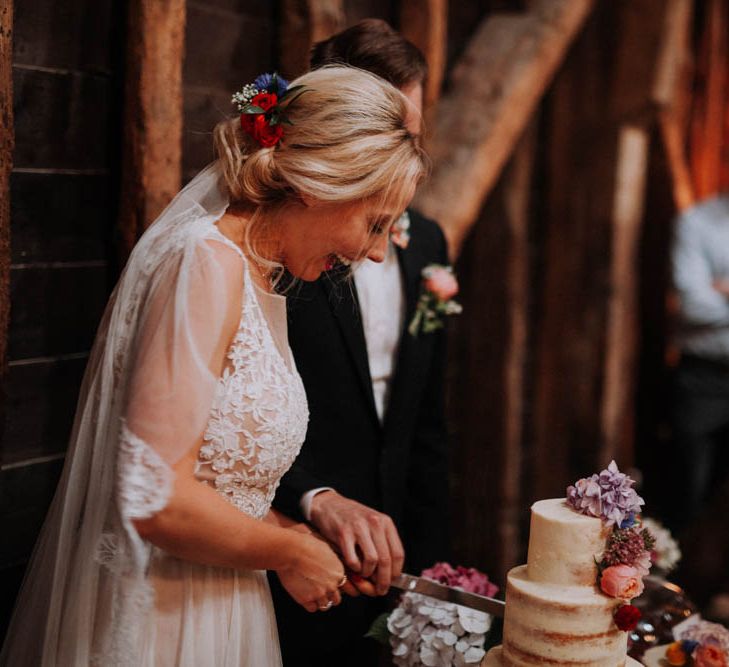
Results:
154 549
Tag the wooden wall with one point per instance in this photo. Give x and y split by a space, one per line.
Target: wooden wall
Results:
65 102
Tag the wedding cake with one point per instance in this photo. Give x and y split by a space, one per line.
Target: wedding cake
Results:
567 604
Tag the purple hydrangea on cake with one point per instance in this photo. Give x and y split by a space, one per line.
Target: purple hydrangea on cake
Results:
609 496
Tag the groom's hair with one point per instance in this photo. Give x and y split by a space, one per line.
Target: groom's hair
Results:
373 45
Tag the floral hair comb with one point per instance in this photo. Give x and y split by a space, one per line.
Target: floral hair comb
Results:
260 105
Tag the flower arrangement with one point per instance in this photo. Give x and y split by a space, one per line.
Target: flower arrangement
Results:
666 553
425 631
626 559
700 644
436 299
262 110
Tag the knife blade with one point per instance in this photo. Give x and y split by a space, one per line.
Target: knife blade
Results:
413 584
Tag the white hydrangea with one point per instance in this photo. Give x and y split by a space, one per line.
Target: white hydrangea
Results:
668 553
425 631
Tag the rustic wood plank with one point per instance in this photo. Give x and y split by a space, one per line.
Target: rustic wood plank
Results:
7 139
494 90
41 399
621 336
425 24
59 217
25 494
302 23
674 144
712 91
674 54
62 120
601 110
62 34
226 49
488 350
152 147
57 308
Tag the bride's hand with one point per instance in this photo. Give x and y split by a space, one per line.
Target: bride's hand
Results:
314 576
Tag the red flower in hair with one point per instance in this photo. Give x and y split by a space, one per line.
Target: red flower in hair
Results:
627 617
258 127
265 100
266 134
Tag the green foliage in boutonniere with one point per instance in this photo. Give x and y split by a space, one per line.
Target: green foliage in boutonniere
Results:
436 299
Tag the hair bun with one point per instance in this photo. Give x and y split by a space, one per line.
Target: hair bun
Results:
249 171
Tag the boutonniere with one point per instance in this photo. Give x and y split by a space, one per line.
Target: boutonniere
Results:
436 299
400 231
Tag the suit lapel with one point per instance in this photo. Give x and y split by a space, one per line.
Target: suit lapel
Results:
342 298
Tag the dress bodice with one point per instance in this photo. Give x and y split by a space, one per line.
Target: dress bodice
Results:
259 414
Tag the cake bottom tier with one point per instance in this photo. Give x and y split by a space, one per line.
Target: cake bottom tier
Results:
494 658
548 624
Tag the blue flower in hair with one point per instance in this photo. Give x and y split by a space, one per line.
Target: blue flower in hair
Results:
273 83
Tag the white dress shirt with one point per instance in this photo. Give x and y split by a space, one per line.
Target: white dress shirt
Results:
382 307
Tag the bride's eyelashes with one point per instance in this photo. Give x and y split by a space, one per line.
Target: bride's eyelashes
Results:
378 226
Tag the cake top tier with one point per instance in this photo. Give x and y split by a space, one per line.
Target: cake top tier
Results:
563 544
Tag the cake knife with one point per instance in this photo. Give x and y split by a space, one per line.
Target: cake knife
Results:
413 584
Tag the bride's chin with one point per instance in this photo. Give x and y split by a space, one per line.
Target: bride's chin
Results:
308 273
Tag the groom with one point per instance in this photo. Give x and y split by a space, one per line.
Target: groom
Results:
372 473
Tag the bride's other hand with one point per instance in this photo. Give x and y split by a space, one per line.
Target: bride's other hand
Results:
315 575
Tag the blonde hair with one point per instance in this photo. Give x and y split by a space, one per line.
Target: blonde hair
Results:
348 142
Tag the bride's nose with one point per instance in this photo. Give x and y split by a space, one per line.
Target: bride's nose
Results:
378 249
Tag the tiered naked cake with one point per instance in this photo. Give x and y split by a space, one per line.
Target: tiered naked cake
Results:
555 614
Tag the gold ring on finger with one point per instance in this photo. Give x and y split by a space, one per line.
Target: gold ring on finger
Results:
342 581
327 606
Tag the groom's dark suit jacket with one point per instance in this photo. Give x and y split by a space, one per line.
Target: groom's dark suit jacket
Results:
398 467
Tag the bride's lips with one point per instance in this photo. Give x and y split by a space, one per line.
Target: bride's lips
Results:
333 259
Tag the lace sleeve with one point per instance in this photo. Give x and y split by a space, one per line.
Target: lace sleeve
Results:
187 322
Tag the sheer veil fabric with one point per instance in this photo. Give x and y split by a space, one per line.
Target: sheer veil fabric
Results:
146 399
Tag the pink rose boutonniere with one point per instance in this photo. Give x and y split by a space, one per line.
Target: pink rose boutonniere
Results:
436 299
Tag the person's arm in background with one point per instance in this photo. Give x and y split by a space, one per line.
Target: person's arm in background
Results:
702 301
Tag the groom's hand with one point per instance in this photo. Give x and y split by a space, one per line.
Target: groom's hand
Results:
367 539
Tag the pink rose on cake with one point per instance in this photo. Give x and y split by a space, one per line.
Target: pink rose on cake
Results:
709 655
621 581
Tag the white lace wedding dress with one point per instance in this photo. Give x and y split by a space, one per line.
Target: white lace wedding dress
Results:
214 616
95 592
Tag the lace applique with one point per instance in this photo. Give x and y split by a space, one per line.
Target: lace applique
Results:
144 480
258 420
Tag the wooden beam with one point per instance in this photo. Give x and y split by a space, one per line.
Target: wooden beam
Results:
621 336
302 24
425 24
493 92
671 92
152 150
674 54
7 140
710 115
675 147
